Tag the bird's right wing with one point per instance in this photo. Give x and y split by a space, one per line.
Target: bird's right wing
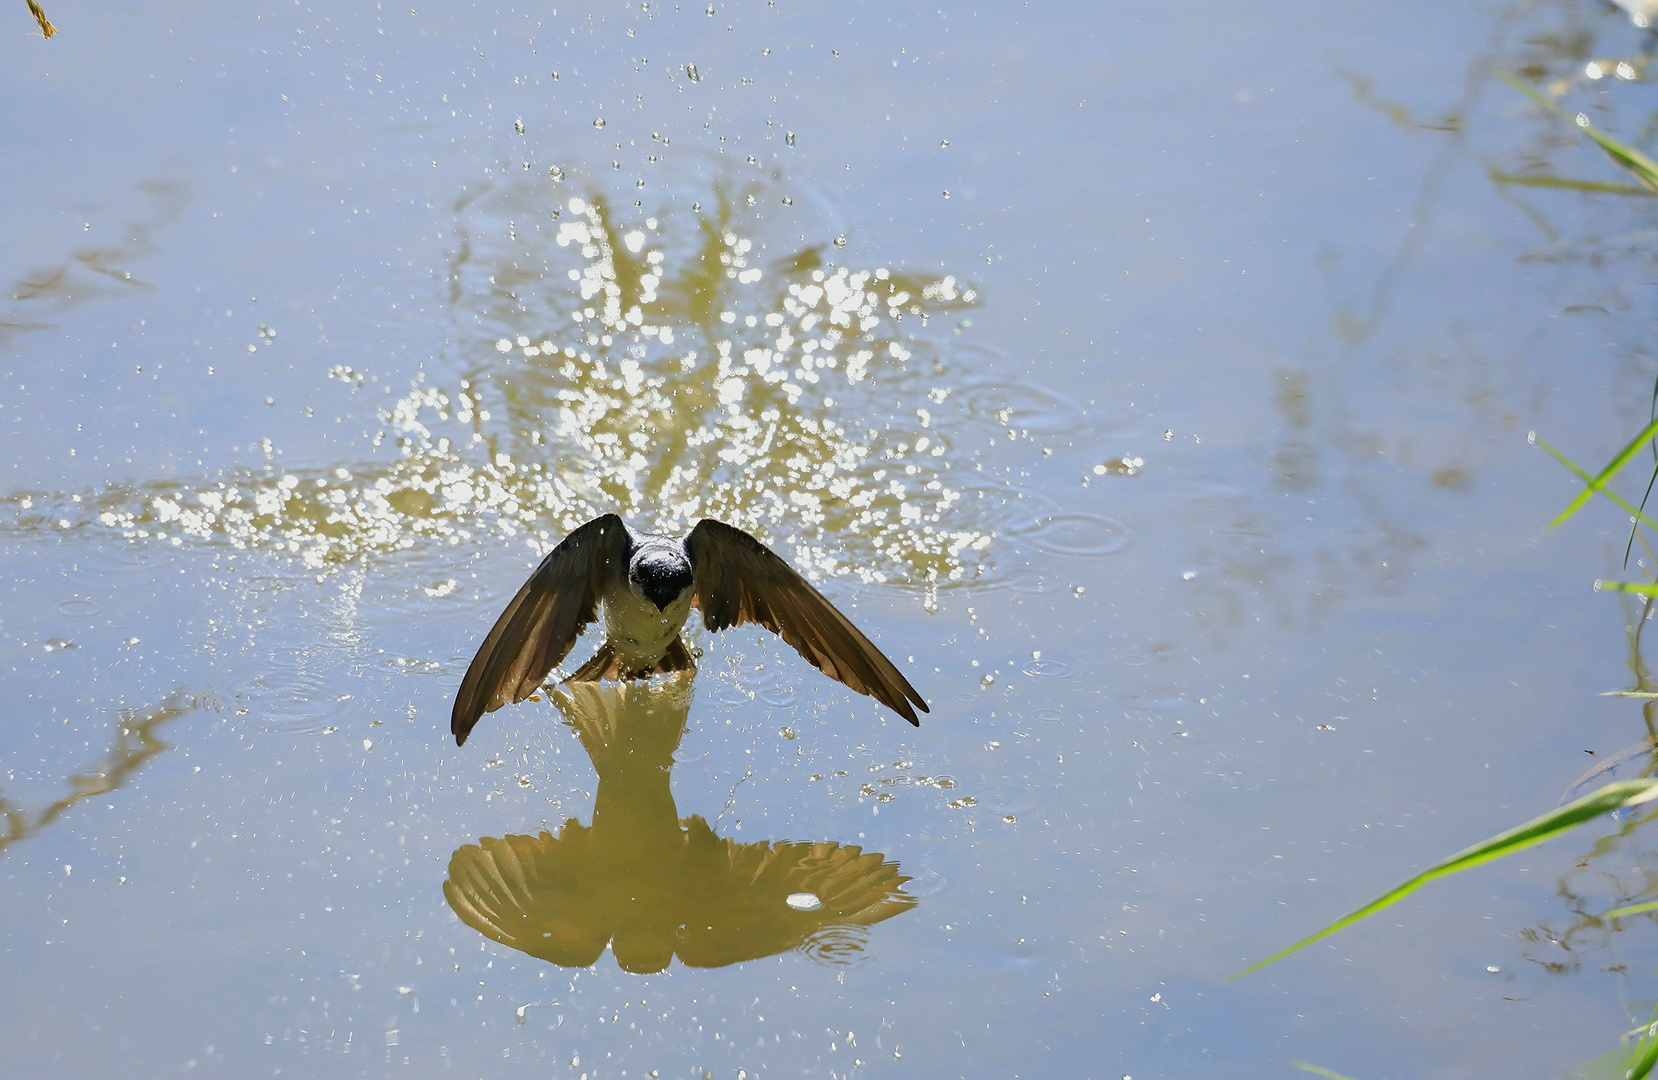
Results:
740 580
543 621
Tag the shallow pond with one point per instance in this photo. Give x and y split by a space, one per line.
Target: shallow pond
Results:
1152 384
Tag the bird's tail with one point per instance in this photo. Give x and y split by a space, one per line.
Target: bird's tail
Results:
607 665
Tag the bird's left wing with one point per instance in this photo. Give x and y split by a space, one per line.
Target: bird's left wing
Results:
543 621
740 580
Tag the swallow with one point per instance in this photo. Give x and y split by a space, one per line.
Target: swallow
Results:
647 585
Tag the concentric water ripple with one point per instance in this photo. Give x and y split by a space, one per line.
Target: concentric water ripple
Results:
1076 534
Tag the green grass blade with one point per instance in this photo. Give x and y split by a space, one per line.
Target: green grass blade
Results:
1645 588
1316 1070
1612 467
1645 1056
1611 797
1614 1064
1577 470
1644 168
1629 508
1600 187
1629 693
1632 909
1595 484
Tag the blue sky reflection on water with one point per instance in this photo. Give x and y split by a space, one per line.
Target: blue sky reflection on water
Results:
1186 473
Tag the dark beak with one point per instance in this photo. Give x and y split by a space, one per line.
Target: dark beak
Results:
661 595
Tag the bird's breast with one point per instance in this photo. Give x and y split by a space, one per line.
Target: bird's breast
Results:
638 633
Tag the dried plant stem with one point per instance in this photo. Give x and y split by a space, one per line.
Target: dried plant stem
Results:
39 13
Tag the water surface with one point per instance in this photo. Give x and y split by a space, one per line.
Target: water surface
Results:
1152 385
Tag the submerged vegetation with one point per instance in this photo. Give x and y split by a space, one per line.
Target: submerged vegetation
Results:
1638 1057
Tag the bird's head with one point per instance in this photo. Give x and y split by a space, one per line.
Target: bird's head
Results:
660 575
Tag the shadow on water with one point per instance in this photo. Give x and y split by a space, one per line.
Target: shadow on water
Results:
136 741
40 296
653 885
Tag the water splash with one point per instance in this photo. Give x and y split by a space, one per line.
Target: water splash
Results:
669 367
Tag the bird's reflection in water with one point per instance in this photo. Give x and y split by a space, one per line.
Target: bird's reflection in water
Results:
651 884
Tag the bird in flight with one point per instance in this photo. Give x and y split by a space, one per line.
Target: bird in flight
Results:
647 585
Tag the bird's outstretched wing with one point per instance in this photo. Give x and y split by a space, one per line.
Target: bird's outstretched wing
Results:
543 621
740 580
